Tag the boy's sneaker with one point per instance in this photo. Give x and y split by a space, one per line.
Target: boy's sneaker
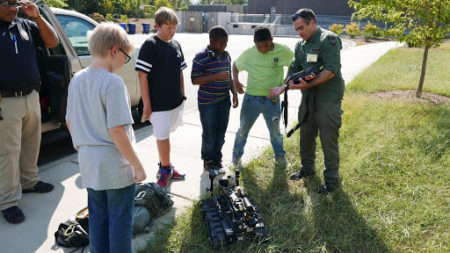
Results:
219 167
281 161
164 175
208 165
236 162
175 174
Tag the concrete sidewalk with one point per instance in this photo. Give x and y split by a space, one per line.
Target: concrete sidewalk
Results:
44 212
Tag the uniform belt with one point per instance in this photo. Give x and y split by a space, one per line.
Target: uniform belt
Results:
21 93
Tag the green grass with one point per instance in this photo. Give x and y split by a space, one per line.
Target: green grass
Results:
399 69
445 46
394 194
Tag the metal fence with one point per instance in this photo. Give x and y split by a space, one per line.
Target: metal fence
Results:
253 18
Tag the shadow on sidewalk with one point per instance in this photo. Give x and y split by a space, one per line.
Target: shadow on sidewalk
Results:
39 210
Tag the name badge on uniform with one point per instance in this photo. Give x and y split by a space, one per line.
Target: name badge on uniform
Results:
311 58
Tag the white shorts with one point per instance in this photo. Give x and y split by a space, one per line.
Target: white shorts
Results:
164 122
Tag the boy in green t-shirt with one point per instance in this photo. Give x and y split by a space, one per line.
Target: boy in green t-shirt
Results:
264 63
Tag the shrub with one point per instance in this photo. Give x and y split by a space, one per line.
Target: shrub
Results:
109 17
384 33
337 28
393 32
371 31
97 17
352 30
124 18
147 15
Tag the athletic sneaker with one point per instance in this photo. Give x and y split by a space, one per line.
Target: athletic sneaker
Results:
164 175
219 167
236 162
281 161
175 174
208 165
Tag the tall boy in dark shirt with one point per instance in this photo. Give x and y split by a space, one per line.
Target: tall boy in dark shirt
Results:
160 65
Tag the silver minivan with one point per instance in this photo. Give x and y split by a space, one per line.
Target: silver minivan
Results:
58 65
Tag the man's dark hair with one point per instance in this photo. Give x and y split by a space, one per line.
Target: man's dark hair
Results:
217 32
262 33
306 14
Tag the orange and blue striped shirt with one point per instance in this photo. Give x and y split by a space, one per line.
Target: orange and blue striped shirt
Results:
207 63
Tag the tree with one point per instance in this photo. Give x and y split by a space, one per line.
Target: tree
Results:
57 3
86 6
108 7
180 4
162 3
127 7
421 23
222 1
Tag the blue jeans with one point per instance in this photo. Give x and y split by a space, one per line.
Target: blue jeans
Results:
111 219
214 120
252 106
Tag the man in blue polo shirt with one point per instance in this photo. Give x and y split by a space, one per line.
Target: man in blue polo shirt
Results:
20 120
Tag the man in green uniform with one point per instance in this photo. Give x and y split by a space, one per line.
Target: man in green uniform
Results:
321 97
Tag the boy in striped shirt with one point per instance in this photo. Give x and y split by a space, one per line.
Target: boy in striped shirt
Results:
211 70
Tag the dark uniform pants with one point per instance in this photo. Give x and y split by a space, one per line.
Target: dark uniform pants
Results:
324 119
20 136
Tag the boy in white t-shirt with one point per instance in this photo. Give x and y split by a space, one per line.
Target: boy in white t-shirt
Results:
100 123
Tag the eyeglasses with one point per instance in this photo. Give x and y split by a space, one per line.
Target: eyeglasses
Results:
298 15
127 55
8 4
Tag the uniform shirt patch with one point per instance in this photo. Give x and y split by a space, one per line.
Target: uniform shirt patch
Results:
332 40
276 60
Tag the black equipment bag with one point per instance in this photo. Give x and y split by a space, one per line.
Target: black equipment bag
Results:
71 234
154 198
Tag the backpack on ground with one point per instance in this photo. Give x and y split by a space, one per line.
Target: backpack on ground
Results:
154 198
141 220
71 234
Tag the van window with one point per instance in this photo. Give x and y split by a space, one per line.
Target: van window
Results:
76 30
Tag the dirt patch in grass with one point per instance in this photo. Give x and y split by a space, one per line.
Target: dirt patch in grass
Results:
410 95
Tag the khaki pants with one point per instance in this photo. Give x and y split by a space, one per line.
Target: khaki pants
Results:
20 137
